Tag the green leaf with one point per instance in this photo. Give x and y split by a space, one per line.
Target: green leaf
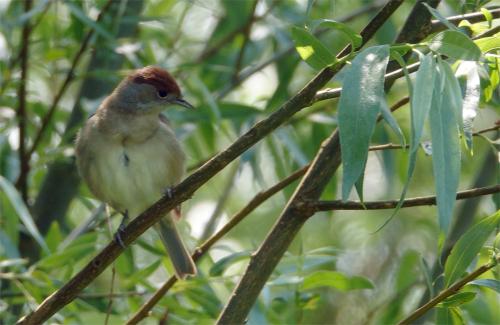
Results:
311 49
224 263
391 121
457 299
54 236
487 14
22 211
75 10
420 104
7 248
68 256
455 45
467 247
360 103
142 274
445 152
487 283
441 18
335 280
488 44
452 91
354 38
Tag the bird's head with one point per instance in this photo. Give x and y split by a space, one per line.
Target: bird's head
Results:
149 89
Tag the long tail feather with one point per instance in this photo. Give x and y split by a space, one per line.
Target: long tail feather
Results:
181 260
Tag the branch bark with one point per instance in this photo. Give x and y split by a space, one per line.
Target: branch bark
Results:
324 165
390 204
448 292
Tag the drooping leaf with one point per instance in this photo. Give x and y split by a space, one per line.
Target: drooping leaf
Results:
467 247
445 152
335 280
452 91
22 211
441 18
311 49
361 101
420 104
455 45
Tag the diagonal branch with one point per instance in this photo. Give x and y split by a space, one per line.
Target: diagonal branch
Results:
326 162
449 291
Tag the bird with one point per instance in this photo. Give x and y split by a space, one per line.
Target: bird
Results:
129 156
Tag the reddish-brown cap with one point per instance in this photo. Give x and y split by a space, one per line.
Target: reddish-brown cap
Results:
158 78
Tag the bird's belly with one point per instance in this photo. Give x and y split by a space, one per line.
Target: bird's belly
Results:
132 177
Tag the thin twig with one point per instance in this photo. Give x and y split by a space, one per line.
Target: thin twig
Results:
390 204
69 78
246 39
22 118
448 292
254 203
473 17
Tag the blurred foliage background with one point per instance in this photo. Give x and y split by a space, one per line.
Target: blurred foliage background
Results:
236 62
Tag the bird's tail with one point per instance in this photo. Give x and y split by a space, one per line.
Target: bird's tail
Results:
181 260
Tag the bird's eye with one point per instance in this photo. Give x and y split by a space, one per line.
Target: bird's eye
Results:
162 93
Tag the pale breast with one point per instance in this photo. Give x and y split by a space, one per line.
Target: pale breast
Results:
132 175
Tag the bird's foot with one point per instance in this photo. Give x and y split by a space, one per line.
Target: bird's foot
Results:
168 192
121 229
177 210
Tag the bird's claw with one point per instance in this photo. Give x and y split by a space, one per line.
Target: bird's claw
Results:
121 229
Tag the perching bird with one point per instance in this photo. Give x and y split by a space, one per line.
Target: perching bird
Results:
129 156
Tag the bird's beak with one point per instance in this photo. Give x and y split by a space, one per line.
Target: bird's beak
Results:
183 103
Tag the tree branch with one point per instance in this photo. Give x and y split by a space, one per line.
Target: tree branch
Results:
263 262
473 17
449 291
390 204
22 181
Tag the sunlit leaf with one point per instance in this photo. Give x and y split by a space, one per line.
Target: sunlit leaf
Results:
311 49
467 247
441 18
360 103
487 44
335 280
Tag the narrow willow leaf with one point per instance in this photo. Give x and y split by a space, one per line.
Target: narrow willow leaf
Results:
335 280
441 18
455 45
467 247
420 104
445 152
22 211
494 74
487 283
224 263
360 102
391 121
399 59
457 299
487 14
7 247
311 49
354 38
75 10
452 92
488 44
472 97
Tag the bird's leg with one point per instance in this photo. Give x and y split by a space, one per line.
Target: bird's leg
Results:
177 210
121 228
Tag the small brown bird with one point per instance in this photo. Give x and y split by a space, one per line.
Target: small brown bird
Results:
129 156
